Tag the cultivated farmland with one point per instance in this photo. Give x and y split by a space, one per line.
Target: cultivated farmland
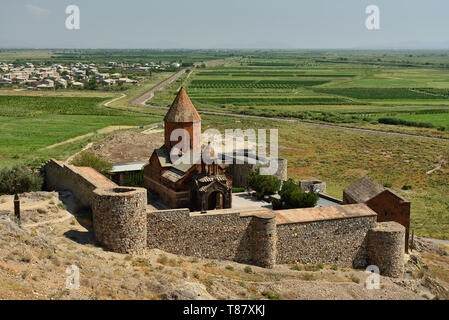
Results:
354 89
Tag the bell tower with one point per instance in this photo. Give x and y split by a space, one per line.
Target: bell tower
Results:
182 115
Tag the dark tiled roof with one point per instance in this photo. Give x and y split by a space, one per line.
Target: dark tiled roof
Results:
363 190
182 109
164 159
207 179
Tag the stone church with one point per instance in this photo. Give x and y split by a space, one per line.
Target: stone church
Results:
197 185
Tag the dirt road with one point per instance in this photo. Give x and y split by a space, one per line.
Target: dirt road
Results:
84 136
236 115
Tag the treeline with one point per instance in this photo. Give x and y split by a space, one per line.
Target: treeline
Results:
395 121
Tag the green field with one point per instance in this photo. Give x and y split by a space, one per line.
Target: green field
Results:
29 124
356 88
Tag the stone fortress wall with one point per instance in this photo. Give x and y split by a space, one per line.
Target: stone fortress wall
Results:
346 236
81 181
119 213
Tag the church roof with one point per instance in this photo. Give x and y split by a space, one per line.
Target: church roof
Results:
173 174
363 190
182 109
164 159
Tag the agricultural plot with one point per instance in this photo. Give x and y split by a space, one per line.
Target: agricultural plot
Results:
357 89
387 93
260 84
22 106
28 124
254 73
266 101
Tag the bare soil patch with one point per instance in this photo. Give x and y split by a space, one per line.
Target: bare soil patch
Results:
127 146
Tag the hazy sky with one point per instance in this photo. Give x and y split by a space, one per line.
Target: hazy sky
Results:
224 24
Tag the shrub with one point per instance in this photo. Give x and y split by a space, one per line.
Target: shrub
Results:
140 262
294 197
407 186
88 159
388 184
263 184
296 267
272 295
313 267
308 276
236 190
248 269
19 179
355 279
395 121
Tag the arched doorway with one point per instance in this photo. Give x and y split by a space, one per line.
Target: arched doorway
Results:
215 200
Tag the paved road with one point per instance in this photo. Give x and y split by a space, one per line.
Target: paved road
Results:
140 101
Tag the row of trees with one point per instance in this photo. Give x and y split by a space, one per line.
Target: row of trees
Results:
292 196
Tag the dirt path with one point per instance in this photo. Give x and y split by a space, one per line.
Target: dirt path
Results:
115 99
100 131
141 102
437 241
53 221
87 146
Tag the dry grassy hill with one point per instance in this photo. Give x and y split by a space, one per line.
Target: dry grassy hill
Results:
55 234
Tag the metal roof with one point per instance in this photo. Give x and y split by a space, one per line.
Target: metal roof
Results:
325 201
125 167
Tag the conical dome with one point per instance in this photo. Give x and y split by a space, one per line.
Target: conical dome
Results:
182 109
